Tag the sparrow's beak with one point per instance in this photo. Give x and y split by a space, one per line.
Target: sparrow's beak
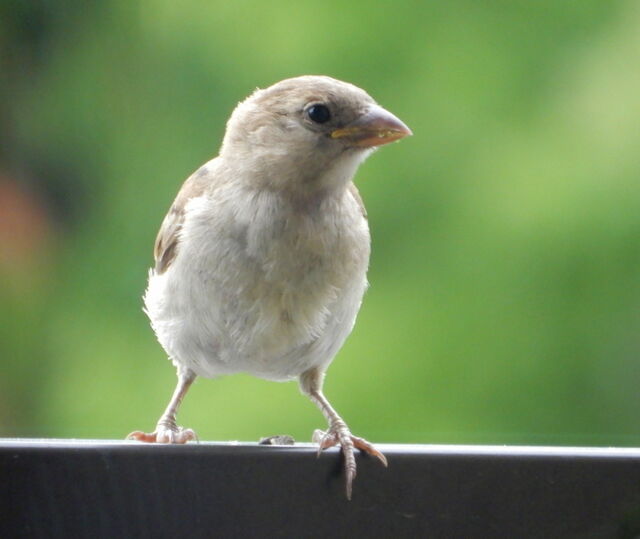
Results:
374 128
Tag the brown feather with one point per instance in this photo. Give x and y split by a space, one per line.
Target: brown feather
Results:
168 239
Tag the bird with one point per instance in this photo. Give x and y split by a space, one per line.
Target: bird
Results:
261 261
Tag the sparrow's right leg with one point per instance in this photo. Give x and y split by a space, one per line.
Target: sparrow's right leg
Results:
167 430
338 432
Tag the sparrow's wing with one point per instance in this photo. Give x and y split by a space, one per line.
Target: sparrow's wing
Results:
168 239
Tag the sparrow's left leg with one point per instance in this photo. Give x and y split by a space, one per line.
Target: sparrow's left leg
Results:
167 430
338 432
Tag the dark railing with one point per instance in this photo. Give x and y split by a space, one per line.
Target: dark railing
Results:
112 489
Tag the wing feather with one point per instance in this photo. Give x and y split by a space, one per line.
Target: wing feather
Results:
168 238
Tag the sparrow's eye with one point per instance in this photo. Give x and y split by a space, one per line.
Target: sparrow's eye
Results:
319 113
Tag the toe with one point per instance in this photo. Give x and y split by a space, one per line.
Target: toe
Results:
369 448
177 436
325 440
340 435
349 468
140 436
349 483
187 435
164 435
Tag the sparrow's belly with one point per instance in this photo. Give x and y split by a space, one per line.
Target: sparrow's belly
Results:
266 329
273 310
270 296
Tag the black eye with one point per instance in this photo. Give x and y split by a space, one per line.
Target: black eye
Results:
319 113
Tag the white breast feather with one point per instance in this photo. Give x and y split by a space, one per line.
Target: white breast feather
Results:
273 296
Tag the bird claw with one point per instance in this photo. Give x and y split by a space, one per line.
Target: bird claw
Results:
164 434
325 440
339 434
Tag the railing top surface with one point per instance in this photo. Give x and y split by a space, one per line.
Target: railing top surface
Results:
397 449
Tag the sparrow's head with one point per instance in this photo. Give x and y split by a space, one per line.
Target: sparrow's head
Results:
308 131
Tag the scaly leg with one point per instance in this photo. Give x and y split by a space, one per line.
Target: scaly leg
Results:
167 430
338 432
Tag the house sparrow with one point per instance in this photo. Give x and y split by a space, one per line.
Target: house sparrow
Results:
261 262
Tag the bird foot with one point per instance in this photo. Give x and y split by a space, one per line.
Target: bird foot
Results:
167 432
339 434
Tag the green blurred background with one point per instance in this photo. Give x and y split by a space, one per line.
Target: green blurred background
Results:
505 278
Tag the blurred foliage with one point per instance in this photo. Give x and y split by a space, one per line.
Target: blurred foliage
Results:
505 297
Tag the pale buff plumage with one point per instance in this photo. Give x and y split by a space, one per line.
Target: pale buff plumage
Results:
261 261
